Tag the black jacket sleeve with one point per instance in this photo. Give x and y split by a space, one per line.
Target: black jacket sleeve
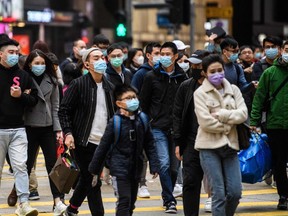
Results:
150 150
30 99
67 107
145 94
178 113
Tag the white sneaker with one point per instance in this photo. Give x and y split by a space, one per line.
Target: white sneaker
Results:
59 209
177 192
143 192
208 205
24 209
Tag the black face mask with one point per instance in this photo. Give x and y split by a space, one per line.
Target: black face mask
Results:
196 73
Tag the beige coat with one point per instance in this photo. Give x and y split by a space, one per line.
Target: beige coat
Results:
230 110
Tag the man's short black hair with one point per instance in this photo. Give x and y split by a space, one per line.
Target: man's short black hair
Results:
113 47
149 47
228 42
274 40
121 89
170 45
100 39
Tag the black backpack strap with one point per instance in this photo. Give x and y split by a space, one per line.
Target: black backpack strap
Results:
237 68
278 89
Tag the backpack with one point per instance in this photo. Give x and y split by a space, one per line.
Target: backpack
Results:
117 119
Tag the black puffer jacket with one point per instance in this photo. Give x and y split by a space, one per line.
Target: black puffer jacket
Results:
125 158
158 94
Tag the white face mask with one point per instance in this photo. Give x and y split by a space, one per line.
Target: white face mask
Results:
81 51
184 65
139 60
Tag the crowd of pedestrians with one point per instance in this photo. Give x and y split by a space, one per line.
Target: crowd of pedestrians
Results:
121 108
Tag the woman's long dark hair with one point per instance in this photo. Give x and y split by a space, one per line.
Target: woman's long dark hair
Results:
50 71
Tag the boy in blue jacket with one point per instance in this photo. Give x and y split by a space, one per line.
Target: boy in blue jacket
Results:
121 146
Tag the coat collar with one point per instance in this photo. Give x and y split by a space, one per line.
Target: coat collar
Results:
208 87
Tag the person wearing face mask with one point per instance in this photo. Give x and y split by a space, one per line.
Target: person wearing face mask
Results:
125 155
17 93
102 42
79 46
271 46
84 113
276 119
152 57
233 72
185 127
116 72
182 62
157 97
219 107
135 59
41 121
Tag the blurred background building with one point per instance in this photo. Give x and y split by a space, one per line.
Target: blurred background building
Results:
60 22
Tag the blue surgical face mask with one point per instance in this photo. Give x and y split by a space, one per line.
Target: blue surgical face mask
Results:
285 57
271 53
116 62
258 55
100 66
233 57
132 105
156 59
104 51
38 70
166 61
12 59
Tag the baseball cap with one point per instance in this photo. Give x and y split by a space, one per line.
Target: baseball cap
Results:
87 52
180 45
197 56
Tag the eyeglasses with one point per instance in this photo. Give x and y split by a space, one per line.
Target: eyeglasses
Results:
246 53
128 98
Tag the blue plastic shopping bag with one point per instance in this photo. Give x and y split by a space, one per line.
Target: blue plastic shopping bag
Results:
255 161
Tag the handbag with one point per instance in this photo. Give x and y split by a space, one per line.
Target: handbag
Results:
255 161
64 173
244 135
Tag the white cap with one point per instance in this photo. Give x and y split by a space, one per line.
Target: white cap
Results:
180 45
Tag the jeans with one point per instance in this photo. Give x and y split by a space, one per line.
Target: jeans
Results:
278 140
192 178
14 141
83 156
223 172
125 189
168 163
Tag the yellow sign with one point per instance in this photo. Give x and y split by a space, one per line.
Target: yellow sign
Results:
215 12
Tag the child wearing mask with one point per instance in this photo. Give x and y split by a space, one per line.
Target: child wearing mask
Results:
124 153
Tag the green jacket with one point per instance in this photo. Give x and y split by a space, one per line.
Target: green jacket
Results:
270 80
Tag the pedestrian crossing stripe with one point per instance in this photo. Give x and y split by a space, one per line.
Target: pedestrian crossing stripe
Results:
158 209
